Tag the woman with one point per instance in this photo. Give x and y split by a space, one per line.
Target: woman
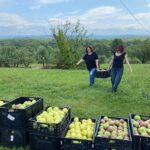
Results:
117 66
92 63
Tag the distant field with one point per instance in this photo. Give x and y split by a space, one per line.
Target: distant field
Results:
70 87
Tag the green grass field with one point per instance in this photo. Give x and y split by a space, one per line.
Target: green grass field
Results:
70 88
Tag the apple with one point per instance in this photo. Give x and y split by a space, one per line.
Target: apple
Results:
106 118
137 118
142 130
1 103
83 129
135 124
65 110
76 119
113 128
52 115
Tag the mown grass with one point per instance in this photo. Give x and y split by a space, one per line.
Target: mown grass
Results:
70 88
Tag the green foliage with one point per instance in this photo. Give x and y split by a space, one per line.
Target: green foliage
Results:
67 47
43 55
69 39
141 51
115 43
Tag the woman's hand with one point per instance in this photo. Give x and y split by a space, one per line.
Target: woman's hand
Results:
97 69
108 69
77 63
80 61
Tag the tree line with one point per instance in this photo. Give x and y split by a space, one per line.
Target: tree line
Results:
66 47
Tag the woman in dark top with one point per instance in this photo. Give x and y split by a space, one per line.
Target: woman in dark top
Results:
92 63
117 66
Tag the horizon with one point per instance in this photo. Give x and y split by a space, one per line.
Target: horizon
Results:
113 36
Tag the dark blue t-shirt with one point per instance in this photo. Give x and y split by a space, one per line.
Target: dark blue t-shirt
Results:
118 60
90 60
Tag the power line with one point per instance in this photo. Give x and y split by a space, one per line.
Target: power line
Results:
135 18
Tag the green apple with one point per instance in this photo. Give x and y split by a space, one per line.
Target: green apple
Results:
65 110
1 103
142 130
137 118
106 118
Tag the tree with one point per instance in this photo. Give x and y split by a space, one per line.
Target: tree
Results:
7 56
140 51
42 55
69 38
115 43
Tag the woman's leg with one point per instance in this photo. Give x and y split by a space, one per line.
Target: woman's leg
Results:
117 79
113 76
92 77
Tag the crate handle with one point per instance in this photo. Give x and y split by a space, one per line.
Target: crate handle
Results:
76 142
112 141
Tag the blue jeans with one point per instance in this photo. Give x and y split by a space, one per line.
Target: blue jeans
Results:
116 75
92 77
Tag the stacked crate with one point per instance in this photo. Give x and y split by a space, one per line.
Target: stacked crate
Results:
43 135
108 142
14 121
140 142
76 143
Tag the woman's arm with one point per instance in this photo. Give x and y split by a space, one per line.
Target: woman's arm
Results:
97 64
127 61
80 61
111 62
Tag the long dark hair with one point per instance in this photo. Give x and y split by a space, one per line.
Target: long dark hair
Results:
87 48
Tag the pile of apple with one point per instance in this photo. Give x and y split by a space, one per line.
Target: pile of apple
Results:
113 128
83 129
24 105
1 103
141 127
53 115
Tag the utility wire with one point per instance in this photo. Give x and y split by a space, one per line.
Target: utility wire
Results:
135 18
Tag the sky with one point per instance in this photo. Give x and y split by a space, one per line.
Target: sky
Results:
99 17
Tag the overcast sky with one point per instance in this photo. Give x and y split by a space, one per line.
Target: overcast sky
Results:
102 17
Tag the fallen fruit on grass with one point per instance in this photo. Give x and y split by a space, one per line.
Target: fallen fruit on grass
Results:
81 129
113 128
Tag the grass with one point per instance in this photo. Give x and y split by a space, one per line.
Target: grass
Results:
70 87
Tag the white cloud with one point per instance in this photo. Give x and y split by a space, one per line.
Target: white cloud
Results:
37 4
52 1
75 12
7 19
108 19
99 20
148 5
16 24
59 14
35 7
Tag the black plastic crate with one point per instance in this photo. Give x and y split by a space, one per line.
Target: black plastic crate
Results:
54 130
139 142
43 142
10 137
77 144
102 73
10 117
102 143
